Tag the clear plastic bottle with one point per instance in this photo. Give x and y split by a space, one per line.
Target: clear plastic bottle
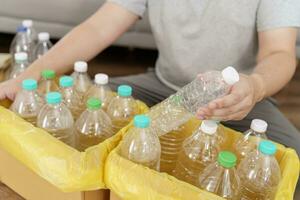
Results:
93 126
70 97
251 138
30 31
221 177
198 151
56 118
259 173
101 90
27 103
122 108
43 45
20 43
20 65
141 145
82 81
180 107
48 83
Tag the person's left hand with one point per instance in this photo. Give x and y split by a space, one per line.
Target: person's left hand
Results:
237 104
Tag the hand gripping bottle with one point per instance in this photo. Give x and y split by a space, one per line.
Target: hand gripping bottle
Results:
198 151
43 46
47 83
81 78
20 65
141 145
27 103
259 173
93 126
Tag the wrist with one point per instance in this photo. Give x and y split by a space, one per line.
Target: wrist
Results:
259 87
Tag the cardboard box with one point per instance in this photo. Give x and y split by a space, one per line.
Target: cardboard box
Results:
114 196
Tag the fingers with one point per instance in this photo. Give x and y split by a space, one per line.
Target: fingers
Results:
227 101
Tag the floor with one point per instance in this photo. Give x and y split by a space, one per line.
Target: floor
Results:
117 61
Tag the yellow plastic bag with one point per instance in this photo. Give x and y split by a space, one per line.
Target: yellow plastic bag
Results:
132 181
61 165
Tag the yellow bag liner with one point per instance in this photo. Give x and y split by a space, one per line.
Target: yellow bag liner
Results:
133 181
58 163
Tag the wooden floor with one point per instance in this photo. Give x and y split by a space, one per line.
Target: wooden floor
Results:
117 61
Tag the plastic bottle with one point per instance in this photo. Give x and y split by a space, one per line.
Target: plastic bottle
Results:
93 126
43 45
180 107
101 90
20 65
259 173
251 138
30 31
81 78
141 145
47 83
20 43
70 97
198 151
221 177
122 108
27 103
56 118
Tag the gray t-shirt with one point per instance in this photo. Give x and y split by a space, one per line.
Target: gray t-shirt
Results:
194 36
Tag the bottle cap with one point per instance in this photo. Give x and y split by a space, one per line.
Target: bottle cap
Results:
230 75
66 81
124 90
267 147
21 29
80 66
29 84
227 159
141 121
259 125
48 74
101 79
44 36
27 23
53 97
94 103
209 126
21 56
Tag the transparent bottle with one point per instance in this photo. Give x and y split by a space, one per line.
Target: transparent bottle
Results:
30 31
20 43
20 65
27 103
48 83
198 151
259 173
101 90
180 107
43 45
82 81
70 97
122 108
221 177
141 145
251 138
93 126
56 118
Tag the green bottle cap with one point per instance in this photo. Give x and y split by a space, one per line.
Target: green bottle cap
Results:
48 74
124 90
53 97
66 81
29 84
141 121
94 103
227 159
267 147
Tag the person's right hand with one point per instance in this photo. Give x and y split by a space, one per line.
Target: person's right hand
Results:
9 89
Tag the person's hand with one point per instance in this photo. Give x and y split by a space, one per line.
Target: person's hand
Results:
9 89
238 103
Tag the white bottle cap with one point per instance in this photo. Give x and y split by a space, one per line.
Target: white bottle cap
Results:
230 75
80 66
101 79
259 125
44 36
21 56
27 23
209 126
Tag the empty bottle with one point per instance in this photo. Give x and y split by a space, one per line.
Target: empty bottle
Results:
93 126
70 97
30 31
251 138
20 43
27 103
198 151
56 118
19 66
101 90
43 45
180 107
221 177
122 108
141 145
259 173
81 78
48 83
